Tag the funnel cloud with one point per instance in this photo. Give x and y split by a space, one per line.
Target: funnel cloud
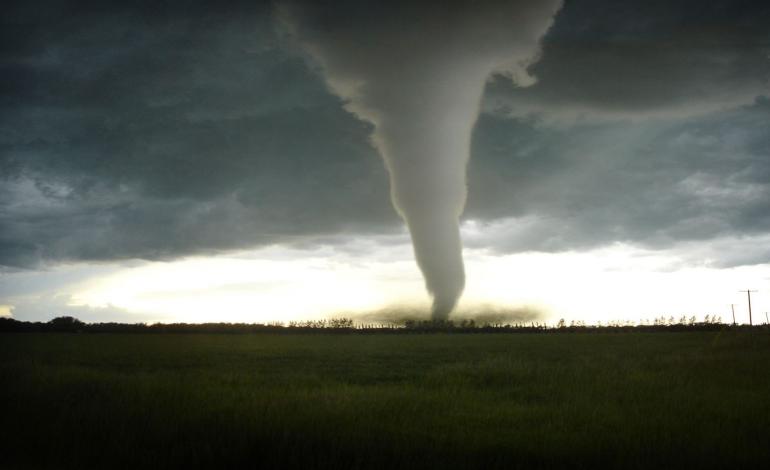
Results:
417 71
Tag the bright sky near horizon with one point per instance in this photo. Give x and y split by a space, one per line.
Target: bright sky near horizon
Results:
201 163
275 284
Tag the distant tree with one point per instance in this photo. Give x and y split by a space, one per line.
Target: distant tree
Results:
341 323
70 324
9 324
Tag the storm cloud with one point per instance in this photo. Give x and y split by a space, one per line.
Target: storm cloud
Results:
653 183
635 59
126 134
156 131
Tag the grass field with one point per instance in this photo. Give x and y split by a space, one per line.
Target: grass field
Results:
628 400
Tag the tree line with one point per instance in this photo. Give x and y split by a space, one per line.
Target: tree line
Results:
68 324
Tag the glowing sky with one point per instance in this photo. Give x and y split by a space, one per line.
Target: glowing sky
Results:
187 162
277 284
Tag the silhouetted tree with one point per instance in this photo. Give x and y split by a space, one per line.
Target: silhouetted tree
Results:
70 324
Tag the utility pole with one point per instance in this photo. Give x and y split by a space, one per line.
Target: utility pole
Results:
732 307
767 321
748 293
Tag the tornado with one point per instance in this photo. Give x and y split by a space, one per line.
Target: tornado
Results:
417 71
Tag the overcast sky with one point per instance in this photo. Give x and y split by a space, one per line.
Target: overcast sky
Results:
147 136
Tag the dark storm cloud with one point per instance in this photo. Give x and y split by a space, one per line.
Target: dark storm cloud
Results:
142 133
635 58
648 124
653 183
163 129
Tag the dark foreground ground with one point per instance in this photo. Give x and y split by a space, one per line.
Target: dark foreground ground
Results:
628 400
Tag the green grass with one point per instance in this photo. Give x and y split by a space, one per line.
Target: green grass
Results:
630 400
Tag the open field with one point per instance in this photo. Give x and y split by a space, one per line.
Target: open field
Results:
631 400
